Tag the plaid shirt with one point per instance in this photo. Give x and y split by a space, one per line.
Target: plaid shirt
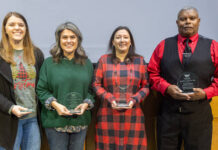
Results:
120 130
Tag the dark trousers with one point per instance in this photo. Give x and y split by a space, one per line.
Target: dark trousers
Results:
194 128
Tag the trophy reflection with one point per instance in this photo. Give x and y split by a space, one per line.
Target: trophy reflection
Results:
187 81
122 103
71 101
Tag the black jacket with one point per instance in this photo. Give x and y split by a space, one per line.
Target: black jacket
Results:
9 123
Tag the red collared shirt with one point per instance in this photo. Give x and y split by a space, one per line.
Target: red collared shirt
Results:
160 84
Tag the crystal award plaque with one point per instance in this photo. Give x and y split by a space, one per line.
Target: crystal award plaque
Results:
28 110
122 101
71 101
187 81
122 105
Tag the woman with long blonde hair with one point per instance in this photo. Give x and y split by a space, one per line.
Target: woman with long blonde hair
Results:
20 62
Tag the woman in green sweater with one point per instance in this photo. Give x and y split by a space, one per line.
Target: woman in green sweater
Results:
64 90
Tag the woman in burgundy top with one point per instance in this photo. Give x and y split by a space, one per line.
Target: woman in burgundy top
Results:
120 82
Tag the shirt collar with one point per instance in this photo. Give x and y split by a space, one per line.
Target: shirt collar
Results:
192 38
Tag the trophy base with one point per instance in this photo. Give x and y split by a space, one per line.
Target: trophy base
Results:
72 111
122 105
28 110
188 92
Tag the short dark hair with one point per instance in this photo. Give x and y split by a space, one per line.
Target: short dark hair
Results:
187 8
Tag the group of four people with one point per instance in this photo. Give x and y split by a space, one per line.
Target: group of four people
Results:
66 84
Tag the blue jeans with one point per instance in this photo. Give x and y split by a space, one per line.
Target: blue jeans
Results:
64 140
28 135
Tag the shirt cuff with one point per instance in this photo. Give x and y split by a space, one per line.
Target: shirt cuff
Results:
48 103
163 87
9 111
89 102
209 93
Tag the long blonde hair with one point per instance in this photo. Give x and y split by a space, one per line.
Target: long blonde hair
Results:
6 50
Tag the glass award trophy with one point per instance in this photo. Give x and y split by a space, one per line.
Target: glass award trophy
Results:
122 101
71 101
187 81
29 105
28 110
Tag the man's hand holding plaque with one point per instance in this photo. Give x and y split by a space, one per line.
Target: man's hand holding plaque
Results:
198 94
175 92
186 88
187 81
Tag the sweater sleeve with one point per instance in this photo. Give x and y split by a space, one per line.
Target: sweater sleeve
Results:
157 82
42 90
97 83
90 94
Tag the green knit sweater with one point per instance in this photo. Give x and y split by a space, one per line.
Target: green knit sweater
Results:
59 79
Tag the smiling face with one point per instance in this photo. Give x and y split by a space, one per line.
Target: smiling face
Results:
68 42
122 41
188 22
15 28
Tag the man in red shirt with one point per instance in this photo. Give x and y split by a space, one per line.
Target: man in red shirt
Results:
184 69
